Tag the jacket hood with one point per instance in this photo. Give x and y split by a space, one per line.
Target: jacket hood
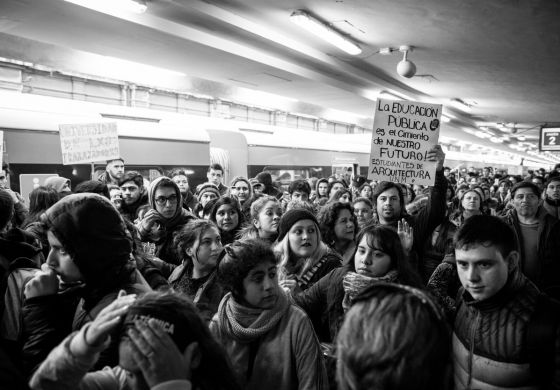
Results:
93 232
56 182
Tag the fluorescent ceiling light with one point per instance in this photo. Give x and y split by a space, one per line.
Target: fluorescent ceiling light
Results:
390 95
138 7
445 118
326 33
461 105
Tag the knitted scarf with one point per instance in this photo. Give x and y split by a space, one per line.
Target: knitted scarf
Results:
354 283
247 324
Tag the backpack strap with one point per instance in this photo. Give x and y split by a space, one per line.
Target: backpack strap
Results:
541 340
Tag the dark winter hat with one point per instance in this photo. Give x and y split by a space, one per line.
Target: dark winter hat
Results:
92 231
206 187
6 208
290 218
264 178
358 181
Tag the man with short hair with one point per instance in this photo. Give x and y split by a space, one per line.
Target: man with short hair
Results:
299 190
552 196
215 176
114 171
498 310
538 181
538 237
134 195
179 176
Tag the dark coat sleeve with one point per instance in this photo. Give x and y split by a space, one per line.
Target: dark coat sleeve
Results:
46 321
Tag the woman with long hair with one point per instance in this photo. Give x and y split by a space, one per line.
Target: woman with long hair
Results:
40 199
303 257
266 212
379 257
227 216
198 245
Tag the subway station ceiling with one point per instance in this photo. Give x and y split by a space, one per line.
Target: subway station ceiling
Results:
500 57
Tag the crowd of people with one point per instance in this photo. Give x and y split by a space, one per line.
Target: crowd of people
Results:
122 283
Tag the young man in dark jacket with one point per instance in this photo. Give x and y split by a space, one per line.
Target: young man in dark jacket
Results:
497 310
91 256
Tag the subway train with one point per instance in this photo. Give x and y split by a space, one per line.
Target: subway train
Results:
153 142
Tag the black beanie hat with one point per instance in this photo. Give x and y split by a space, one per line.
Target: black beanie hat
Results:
6 208
290 218
93 232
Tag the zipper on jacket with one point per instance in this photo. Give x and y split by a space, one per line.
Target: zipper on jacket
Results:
471 349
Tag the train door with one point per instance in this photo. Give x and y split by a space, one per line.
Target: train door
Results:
229 149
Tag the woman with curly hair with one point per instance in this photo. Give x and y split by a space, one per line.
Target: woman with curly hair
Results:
198 244
338 228
270 341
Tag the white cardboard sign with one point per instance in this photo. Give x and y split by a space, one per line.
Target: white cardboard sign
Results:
89 142
403 133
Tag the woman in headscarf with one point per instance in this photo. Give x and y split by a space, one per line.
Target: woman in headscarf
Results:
164 217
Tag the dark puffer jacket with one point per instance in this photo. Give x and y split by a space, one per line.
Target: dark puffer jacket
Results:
490 338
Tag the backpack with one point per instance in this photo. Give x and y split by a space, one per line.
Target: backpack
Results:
541 340
19 273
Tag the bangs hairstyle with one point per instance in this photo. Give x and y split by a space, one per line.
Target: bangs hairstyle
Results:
286 256
386 239
338 194
486 230
327 219
378 349
187 236
238 259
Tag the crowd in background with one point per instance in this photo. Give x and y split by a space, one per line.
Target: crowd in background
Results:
336 282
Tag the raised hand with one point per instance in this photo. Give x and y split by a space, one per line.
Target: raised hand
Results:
406 234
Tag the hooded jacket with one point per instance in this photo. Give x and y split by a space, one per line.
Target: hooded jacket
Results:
93 233
162 236
266 179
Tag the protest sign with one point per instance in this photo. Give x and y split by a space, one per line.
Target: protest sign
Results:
403 133
89 142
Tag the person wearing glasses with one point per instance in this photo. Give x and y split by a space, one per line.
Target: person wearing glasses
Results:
394 337
163 218
270 341
379 257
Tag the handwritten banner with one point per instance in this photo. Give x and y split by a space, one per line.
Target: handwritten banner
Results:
83 143
403 133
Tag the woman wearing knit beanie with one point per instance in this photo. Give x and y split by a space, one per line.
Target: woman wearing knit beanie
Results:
164 217
304 257
91 251
270 341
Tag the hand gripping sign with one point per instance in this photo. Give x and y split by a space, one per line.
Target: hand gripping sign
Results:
403 133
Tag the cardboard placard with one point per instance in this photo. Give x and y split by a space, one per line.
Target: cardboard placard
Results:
550 139
89 142
403 133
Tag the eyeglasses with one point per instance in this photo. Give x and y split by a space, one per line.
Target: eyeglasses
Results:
377 288
161 200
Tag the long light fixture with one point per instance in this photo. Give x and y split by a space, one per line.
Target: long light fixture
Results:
138 6
326 33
